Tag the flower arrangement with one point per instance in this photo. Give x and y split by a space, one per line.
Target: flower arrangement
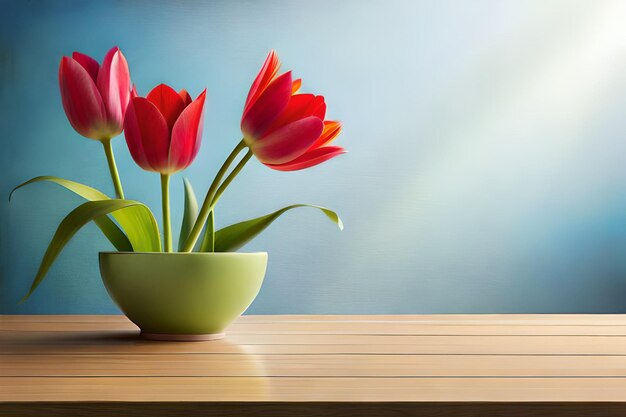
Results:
284 129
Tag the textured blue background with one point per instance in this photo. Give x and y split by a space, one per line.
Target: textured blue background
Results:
487 143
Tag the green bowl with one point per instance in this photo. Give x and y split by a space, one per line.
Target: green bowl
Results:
182 296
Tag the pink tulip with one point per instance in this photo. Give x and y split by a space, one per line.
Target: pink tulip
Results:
95 96
164 130
286 131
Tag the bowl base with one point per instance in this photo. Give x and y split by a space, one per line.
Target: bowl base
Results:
183 337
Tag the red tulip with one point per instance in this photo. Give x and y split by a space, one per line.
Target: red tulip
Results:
164 130
286 131
95 96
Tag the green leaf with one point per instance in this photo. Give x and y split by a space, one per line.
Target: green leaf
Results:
74 221
236 235
208 239
114 234
111 230
88 193
138 225
190 214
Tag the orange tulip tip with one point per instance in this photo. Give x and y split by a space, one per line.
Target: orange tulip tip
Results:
295 86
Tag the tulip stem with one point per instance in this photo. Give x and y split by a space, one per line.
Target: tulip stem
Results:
207 205
210 229
231 177
167 224
115 176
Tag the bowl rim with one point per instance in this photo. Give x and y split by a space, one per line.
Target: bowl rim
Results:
182 253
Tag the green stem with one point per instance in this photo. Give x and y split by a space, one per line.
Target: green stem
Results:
231 177
210 230
115 176
206 208
167 225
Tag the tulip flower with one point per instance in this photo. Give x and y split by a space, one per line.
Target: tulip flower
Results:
163 131
285 130
95 98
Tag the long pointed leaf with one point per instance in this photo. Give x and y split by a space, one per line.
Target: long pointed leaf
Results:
73 222
85 191
138 231
208 239
189 215
114 234
111 230
236 235
140 227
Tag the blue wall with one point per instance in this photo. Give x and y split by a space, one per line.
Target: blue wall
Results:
487 143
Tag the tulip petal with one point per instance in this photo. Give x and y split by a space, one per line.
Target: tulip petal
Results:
267 108
299 107
318 107
331 130
309 159
132 133
91 65
115 87
168 101
303 105
295 87
81 100
185 96
187 135
147 135
288 142
266 75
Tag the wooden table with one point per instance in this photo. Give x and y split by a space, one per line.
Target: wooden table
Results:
436 365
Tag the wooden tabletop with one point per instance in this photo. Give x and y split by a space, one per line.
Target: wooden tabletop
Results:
466 365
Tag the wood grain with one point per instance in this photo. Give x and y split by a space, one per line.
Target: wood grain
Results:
318 365
361 327
208 389
297 365
129 342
